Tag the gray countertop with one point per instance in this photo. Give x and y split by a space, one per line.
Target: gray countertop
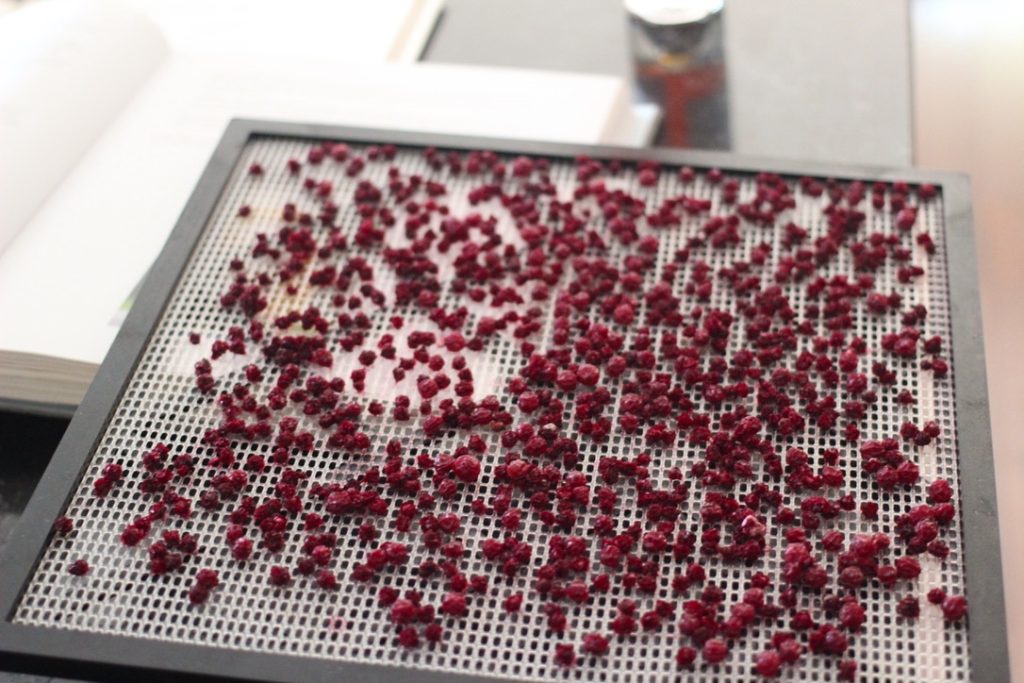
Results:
809 80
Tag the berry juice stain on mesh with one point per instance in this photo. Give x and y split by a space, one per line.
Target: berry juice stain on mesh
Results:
538 419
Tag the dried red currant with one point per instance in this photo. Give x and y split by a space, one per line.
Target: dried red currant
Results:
78 568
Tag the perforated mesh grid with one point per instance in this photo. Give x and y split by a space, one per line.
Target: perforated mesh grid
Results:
161 404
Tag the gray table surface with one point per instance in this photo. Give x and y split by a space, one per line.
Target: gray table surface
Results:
808 80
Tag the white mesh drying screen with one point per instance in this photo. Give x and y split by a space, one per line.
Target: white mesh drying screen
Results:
161 404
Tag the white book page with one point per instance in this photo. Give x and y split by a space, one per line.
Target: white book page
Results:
102 230
66 68
319 31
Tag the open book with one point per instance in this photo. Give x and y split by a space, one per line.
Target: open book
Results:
105 126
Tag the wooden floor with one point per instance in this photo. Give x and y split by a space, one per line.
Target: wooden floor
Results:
968 66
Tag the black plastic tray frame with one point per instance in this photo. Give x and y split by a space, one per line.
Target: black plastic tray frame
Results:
75 654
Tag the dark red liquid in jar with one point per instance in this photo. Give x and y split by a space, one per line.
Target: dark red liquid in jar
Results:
679 64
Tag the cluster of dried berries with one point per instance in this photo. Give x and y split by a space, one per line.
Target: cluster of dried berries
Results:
726 380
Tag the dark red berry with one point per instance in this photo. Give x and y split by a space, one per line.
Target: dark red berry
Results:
513 602
408 637
565 655
454 604
714 650
207 579
279 576
326 579
466 468
78 568
595 644
768 664
197 595
685 656
241 549
954 607
433 632
403 611
847 670
909 607
851 616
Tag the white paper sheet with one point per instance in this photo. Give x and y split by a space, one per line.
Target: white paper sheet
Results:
66 68
351 31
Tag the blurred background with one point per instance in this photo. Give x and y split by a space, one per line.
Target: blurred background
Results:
884 83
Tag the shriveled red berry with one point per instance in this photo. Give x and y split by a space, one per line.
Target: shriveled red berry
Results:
954 607
588 375
768 664
466 468
827 639
907 567
623 625
279 576
847 670
909 607
940 491
387 596
207 578
565 655
528 402
409 637
321 554
685 656
433 632
241 549
566 380
197 595
63 526
647 177
624 314
513 602
78 568
577 592
403 611
595 644
714 650
326 579
454 604
851 616
790 650
102 485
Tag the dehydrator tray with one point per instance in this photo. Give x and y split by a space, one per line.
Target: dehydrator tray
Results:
678 494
